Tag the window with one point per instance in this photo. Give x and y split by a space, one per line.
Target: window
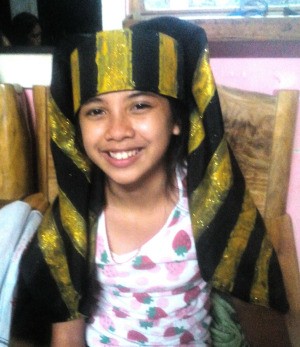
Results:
217 8
230 20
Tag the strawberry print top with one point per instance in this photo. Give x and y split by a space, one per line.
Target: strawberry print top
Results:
154 296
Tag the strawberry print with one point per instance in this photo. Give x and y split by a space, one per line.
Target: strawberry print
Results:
143 298
103 260
108 341
109 271
143 262
180 290
134 335
172 331
136 304
119 313
100 246
146 324
175 218
104 339
156 313
191 294
107 323
175 269
104 257
181 243
186 338
123 289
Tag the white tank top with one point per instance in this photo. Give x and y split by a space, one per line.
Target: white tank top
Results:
154 296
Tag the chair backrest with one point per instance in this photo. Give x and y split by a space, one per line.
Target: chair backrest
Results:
16 168
45 167
260 131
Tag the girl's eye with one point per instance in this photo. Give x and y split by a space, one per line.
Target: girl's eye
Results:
95 112
141 106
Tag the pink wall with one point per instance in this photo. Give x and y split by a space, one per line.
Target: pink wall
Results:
266 75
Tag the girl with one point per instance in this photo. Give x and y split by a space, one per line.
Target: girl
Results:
152 210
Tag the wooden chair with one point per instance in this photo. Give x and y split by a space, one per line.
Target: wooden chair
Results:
260 130
45 167
15 146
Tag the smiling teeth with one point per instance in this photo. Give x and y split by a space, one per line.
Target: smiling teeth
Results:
123 155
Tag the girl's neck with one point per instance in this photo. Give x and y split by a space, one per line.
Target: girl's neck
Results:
143 195
133 215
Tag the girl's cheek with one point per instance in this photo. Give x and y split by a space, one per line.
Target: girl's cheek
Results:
143 126
87 135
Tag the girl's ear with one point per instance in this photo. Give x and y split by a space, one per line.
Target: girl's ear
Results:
176 129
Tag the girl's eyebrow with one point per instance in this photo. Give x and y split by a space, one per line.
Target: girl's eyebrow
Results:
134 94
96 98
140 93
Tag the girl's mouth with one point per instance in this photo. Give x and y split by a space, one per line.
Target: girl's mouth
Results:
123 154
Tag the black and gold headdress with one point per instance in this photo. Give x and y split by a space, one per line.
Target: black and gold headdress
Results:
170 57
126 60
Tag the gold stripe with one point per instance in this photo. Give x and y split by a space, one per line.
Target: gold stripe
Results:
210 194
226 271
52 248
203 91
114 61
197 133
63 134
260 287
73 223
167 66
75 79
203 84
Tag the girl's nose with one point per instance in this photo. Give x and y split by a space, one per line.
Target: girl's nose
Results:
119 128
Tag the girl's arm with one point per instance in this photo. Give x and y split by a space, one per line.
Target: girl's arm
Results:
68 334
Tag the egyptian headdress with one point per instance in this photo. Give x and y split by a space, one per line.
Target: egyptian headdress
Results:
170 57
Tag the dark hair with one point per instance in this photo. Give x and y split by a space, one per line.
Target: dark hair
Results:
22 25
178 148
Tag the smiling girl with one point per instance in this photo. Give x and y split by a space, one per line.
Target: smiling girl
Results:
152 215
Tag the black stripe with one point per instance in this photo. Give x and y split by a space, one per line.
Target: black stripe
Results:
71 180
198 162
61 84
199 159
180 30
145 61
35 283
97 194
212 243
278 299
213 123
246 269
88 68
74 259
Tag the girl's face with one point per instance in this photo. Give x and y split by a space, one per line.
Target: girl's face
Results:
126 134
